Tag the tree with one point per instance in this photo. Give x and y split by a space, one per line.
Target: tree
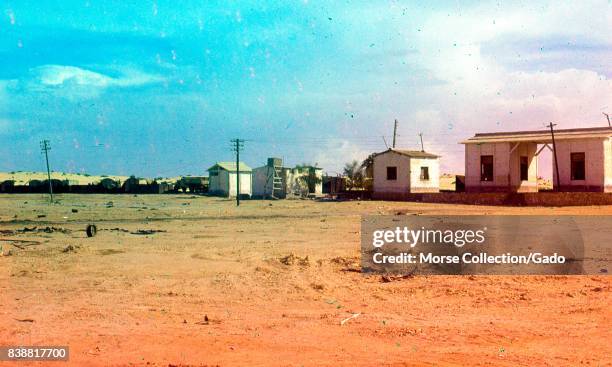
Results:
354 174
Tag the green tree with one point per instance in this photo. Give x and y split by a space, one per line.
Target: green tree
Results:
354 174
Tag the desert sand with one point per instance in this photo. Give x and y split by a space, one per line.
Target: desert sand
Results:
195 281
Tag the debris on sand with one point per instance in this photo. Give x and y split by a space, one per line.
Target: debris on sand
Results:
354 316
116 229
91 230
205 321
391 278
292 259
25 320
36 230
41 215
147 231
110 204
70 248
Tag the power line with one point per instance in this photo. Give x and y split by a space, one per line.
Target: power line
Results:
238 145
552 133
45 146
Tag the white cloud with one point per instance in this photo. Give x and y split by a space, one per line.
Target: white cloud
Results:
333 157
76 83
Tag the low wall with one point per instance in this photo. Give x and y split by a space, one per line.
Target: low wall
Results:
509 199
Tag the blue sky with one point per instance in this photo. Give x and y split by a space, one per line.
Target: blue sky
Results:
158 88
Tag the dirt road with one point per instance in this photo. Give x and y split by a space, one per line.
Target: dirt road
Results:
185 280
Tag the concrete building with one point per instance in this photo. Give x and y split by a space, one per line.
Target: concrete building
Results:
508 161
274 180
222 179
400 172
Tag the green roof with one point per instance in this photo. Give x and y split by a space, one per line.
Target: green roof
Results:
230 166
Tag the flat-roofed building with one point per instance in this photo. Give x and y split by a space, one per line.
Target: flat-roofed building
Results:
508 161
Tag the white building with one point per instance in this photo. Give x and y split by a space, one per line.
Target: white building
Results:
274 180
508 161
222 179
397 173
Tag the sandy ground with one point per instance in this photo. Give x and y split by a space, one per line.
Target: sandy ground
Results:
274 280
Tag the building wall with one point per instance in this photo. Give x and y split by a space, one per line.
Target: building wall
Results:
245 183
501 167
380 183
608 165
217 185
292 184
420 186
595 164
262 181
524 150
408 174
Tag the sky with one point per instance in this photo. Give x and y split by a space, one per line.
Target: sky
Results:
159 88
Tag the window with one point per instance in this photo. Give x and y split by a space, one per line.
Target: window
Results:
391 173
424 173
524 168
486 168
577 168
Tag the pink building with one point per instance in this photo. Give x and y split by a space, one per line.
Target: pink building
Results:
508 161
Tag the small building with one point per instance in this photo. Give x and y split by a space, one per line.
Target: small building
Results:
397 173
508 161
222 179
275 181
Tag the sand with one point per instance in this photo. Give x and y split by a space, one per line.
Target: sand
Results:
270 283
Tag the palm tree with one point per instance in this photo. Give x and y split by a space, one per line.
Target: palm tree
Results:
354 173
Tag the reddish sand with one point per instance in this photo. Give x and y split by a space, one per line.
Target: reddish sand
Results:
275 280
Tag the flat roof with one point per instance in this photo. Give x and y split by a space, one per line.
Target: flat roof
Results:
540 136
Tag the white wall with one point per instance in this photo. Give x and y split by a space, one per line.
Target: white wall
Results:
418 185
408 174
245 183
380 183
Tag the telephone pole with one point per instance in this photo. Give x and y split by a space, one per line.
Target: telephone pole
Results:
46 147
608 117
421 136
394 132
238 145
552 134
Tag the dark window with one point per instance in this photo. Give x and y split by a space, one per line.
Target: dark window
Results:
425 173
486 168
524 168
392 173
577 166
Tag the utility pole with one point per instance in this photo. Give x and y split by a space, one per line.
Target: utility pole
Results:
394 132
421 136
608 117
238 144
46 147
552 134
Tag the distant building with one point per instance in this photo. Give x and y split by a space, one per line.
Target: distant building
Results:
274 180
400 172
222 179
508 161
